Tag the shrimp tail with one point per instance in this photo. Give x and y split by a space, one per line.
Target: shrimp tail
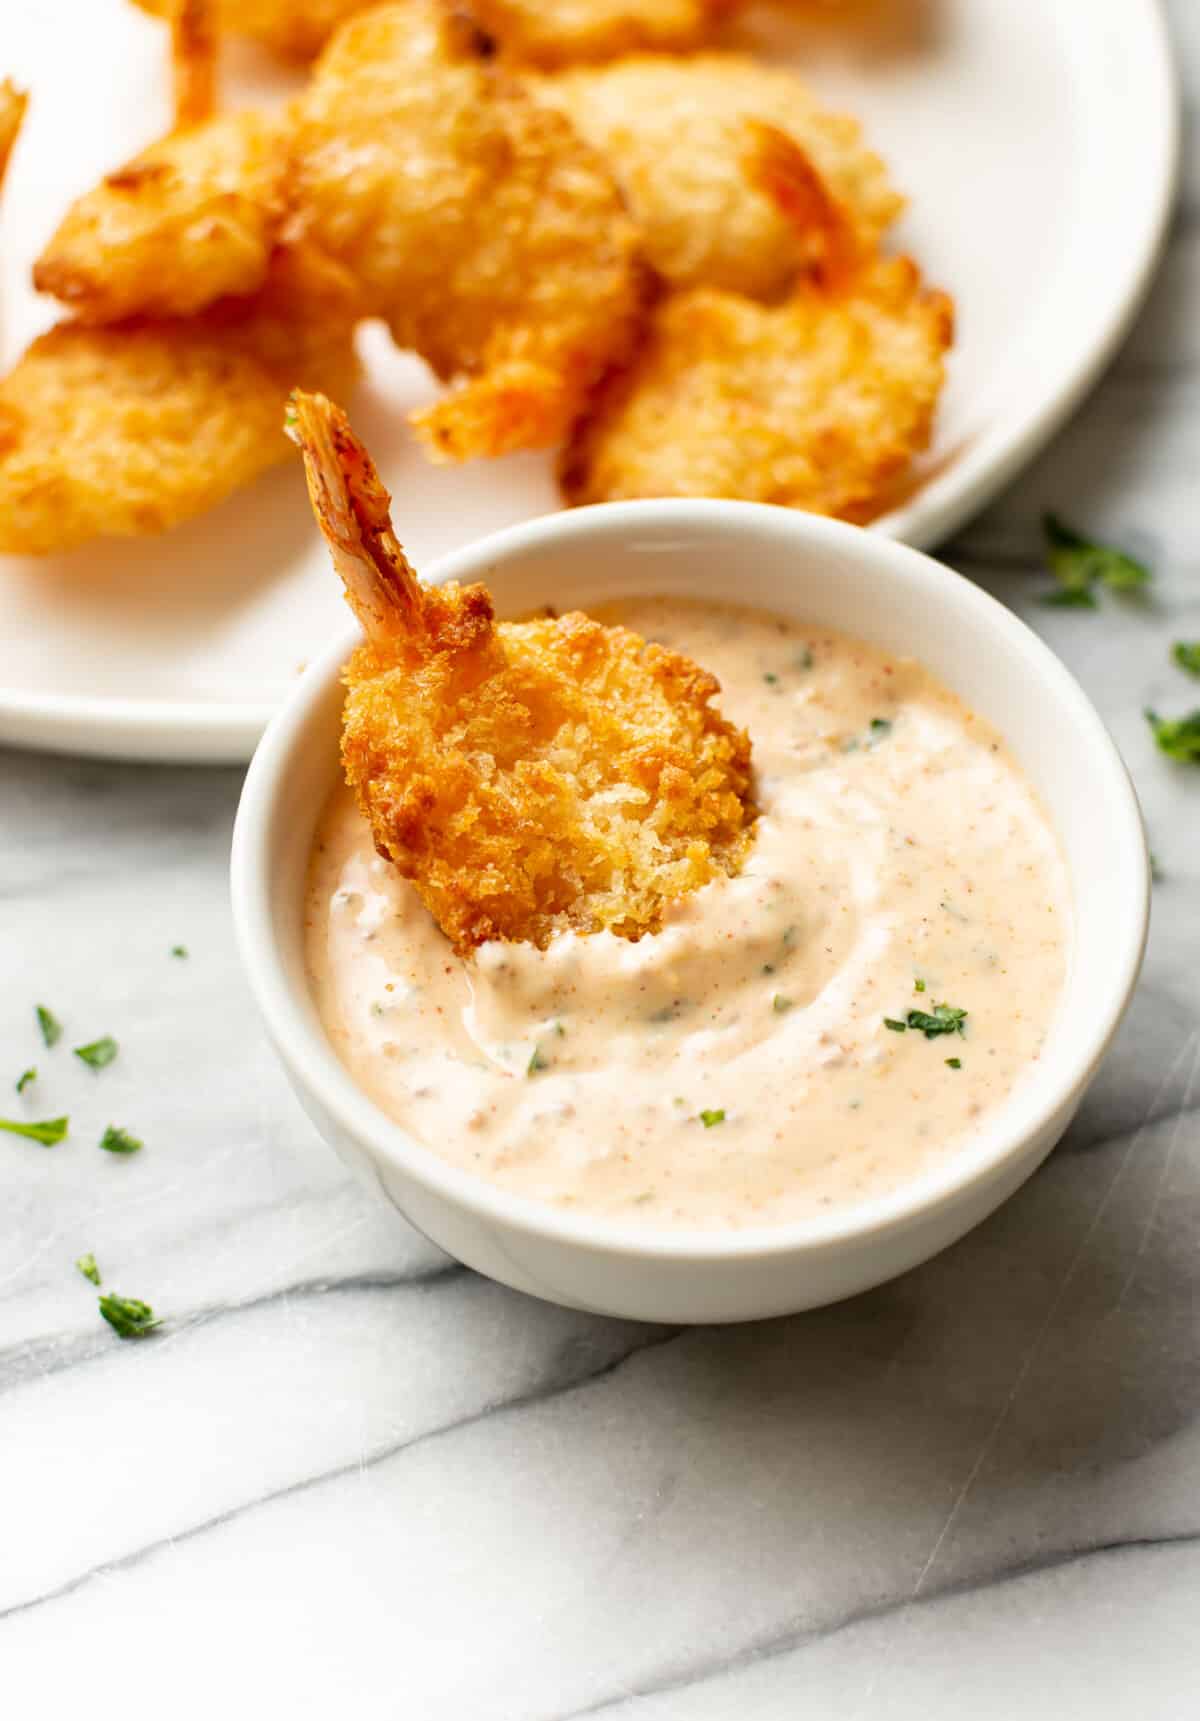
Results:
352 509
783 171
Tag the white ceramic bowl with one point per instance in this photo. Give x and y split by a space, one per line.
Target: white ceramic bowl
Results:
822 572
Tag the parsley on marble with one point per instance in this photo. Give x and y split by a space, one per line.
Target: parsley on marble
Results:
87 1266
1186 654
1080 564
97 1054
711 1118
1177 737
128 1317
50 1025
25 1077
49 1132
116 1140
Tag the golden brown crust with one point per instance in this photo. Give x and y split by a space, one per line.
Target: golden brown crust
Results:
293 29
194 60
736 175
820 403
192 219
130 429
529 777
487 234
552 33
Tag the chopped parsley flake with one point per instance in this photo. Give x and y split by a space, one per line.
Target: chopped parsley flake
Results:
881 726
780 1004
954 1063
537 1061
894 1025
1187 655
1080 564
87 1266
116 1140
710 1118
1177 737
98 1053
946 1019
25 1077
127 1316
49 1132
50 1025
918 985
179 950
771 679
804 658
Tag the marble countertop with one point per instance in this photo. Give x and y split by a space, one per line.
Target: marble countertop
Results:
351 1478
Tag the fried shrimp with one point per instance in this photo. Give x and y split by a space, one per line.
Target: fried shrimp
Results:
820 403
128 430
717 207
13 103
528 777
192 219
486 233
293 29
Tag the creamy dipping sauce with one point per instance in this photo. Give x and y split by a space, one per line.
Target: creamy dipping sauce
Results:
734 1069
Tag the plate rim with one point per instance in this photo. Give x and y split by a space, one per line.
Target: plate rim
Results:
224 733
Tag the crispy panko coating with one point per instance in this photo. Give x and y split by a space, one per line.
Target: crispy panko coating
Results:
192 219
557 32
194 60
698 146
293 29
529 777
491 238
13 103
130 429
820 403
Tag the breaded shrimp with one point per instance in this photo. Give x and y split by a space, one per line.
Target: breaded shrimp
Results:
820 403
528 777
13 103
194 60
130 429
553 33
684 138
491 238
192 219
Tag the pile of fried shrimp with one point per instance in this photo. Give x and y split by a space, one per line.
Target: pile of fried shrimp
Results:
605 225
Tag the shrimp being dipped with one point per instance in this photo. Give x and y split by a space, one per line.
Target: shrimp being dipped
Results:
528 777
490 237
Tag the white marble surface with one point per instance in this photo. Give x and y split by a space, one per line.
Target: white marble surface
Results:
350 1478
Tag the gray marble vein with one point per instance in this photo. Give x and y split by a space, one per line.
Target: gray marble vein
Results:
352 1478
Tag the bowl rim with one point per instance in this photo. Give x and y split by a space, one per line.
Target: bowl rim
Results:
315 1067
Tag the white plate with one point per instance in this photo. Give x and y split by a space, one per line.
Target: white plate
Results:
1038 144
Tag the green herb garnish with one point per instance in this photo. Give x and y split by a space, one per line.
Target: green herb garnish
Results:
881 726
25 1077
946 1019
98 1053
1187 655
1177 737
1080 564
116 1140
179 950
50 1025
128 1318
771 678
537 1061
894 1025
804 658
49 1132
711 1118
954 1063
87 1266
780 1004
918 985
